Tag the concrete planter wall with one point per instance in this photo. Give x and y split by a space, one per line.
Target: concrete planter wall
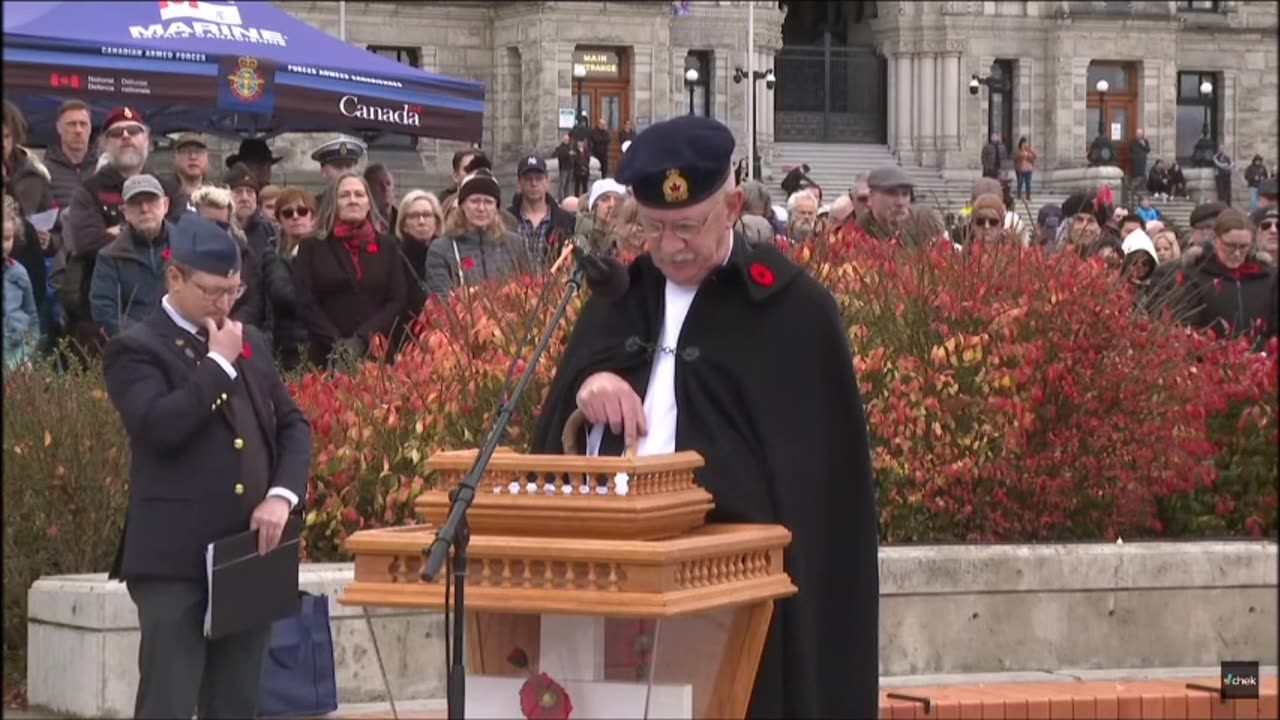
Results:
944 610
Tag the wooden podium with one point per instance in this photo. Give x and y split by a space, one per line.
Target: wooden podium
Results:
604 571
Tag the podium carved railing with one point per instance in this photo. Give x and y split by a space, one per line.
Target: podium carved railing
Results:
569 556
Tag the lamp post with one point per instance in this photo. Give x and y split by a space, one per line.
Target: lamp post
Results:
1202 155
579 74
769 81
1100 150
690 81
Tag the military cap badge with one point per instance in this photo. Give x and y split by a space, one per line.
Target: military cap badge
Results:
675 189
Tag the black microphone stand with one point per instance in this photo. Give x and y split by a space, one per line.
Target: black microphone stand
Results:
455 532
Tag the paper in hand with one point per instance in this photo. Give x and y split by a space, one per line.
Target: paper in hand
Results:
44 221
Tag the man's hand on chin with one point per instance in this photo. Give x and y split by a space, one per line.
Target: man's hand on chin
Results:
268 519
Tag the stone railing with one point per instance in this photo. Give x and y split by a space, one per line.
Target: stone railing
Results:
944 610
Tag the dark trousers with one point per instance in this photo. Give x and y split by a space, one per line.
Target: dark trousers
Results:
180 672
1223 181
604 165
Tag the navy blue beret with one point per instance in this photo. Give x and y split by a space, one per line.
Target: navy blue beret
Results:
201 245
678 162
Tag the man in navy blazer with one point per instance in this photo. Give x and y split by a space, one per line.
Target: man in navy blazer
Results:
218 447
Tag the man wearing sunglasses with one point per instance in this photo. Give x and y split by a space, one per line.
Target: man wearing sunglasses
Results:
689 358
95 218
219 448
1267 235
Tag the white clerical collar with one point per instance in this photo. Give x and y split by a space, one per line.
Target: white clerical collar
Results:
176 318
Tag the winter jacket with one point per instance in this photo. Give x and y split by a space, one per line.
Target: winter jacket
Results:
28 180
1229 301
288 333
21 319
128 279
1255 174
475 261
65 176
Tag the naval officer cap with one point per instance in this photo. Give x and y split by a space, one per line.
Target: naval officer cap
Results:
343 150
201 245
677 163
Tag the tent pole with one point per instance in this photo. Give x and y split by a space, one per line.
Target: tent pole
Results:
342 20
751 80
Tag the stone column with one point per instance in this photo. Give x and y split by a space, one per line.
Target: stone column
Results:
950 135
902 98
926 95
891 109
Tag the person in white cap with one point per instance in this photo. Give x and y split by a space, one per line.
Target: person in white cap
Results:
338 156
605 195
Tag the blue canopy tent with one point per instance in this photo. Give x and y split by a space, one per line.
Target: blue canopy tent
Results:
223 68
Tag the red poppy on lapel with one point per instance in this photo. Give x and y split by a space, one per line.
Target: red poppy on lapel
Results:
761 274
468 263
164 254
246 351
371 248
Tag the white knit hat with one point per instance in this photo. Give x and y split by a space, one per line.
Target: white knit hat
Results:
602 186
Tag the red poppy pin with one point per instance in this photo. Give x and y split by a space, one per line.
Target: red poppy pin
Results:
541 697
468 263
371 248
761 274
245 350
164 254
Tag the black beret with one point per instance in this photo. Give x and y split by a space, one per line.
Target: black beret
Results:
1267 187
678 162
201 245
1078 203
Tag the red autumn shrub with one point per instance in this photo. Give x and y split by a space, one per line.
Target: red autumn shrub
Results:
373 429
1013 395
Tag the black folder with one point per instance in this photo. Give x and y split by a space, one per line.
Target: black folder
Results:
248 590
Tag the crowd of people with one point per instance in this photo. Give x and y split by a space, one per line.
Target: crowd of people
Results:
86 235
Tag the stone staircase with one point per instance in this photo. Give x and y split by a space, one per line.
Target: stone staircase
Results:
835 166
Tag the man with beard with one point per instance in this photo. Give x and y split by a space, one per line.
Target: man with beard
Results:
890 216
688 359
802 215
94 219
128 277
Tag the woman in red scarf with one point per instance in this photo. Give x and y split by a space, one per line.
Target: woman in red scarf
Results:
350 284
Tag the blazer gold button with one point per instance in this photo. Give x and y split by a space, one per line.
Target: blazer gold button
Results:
239 489
238 444
213 407
224 396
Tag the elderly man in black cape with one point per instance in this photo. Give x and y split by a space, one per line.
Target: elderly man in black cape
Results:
737 353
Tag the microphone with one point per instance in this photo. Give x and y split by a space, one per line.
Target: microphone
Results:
605 276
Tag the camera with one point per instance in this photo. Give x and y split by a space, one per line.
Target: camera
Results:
770 79
974 85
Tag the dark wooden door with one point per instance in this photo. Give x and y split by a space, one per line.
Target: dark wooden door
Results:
1120 119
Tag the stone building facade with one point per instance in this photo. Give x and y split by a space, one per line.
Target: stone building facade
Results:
1046 56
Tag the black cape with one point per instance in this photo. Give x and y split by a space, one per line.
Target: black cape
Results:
766 393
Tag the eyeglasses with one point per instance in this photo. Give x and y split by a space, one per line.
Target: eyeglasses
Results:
1235 249
684 229
115 132
419 216
1268 225
301 211
216 294
986 222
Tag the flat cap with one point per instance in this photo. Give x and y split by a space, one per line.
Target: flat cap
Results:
1268 187
677 163
190 138
239 175
201 245
889 177
253 150
1206 212
123 114
1079 203
139 184
339 149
